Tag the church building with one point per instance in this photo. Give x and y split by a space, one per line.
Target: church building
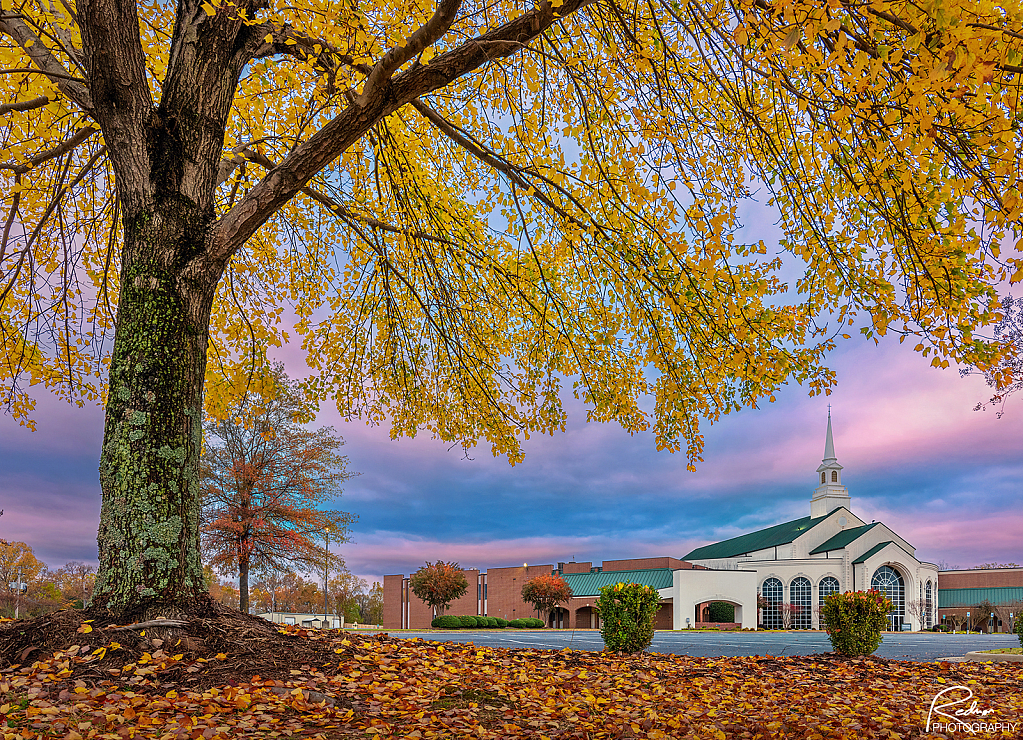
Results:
775 578
798 563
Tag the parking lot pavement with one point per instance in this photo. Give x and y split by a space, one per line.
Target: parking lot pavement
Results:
918 646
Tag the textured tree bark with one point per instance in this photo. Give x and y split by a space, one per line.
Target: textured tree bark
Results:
243 585
149 465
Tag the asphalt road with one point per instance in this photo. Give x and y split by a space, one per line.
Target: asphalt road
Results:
923 646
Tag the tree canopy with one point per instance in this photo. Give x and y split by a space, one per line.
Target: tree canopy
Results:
438 584
264 479
469 207
546 592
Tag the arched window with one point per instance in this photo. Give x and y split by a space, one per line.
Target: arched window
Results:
928 619
824 477
773 593
888 581
834 476
827 586
801 598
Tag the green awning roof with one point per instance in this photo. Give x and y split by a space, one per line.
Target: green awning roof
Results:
950 598
779 534
589 584
842 539
872 551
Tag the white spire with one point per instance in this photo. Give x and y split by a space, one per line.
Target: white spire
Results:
829 444
830 494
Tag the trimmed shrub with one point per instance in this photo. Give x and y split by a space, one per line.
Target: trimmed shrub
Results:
721 611
468 621
534 622
491 621
1018 628
502 623
516 623
447 622
627 612
854 621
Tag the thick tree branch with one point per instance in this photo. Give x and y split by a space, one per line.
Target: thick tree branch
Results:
62 148
251 155
115 62
288 178
24 105
48 64
428 33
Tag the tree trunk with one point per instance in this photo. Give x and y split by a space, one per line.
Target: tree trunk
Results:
243 585
149 465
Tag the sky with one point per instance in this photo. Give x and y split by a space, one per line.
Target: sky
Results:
916 456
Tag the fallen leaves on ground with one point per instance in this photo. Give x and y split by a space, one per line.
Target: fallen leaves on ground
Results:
381 687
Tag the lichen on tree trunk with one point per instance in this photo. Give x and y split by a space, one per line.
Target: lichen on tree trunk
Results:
149 465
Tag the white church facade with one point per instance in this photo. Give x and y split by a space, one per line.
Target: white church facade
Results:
795 565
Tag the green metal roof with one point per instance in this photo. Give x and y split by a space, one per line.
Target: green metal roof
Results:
953 597
779 534
589 584
842 539
872 551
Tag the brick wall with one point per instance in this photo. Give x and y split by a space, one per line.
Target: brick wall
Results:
392 601
504 590
575 567
647 563
421 615
994 578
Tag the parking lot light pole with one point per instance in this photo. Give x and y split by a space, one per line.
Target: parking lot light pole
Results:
326 569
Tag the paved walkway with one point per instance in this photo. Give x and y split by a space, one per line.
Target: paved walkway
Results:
919 646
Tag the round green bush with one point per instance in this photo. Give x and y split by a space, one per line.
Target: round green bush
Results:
627 612
854 621
491 621
467 621
447 622
516 623
1018 628
502 623
534 622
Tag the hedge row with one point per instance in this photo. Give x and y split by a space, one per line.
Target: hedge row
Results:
452 622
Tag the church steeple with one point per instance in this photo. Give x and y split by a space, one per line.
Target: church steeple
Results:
830 494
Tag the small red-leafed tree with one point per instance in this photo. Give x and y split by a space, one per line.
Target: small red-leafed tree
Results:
264 478
546 592
439 584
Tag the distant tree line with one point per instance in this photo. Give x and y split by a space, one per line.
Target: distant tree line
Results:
43 590
70 586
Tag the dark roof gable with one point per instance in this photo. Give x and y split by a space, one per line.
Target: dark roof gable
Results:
843 538
779 534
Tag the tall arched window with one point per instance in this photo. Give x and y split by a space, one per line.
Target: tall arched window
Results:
928 618
824 477
888 581
801 598
834 476
827 586
773 593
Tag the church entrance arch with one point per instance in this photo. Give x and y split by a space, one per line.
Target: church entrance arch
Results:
889 581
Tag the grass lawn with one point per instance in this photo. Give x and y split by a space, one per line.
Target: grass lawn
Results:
1012 651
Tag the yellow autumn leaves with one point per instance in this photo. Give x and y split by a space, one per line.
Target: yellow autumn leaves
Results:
573 217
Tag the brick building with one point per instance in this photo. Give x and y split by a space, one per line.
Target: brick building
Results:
686 591
981 593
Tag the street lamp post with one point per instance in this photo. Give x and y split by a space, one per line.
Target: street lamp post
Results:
326 569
